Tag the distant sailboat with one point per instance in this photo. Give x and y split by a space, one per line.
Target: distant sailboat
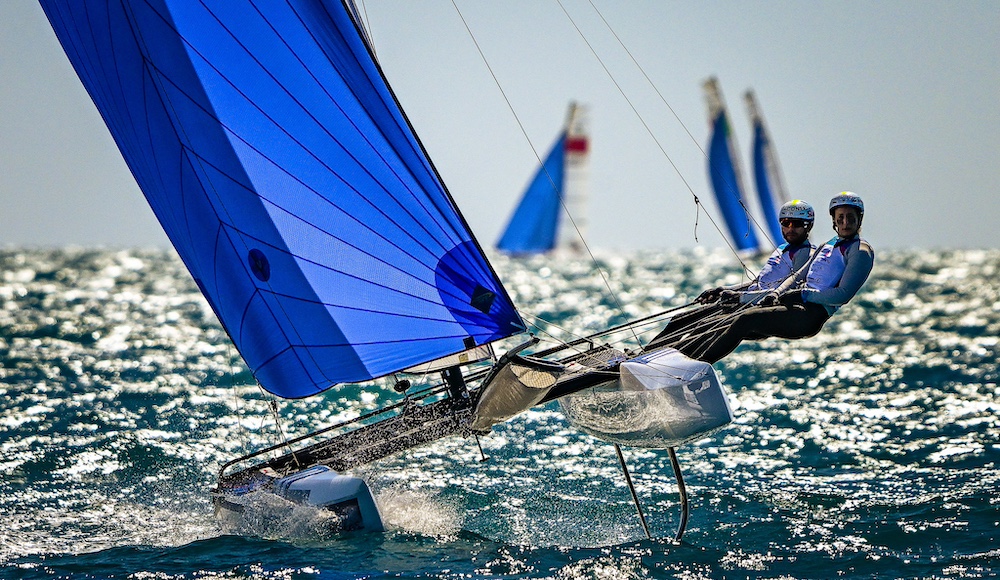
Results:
272 150
725 174
534 226
766 170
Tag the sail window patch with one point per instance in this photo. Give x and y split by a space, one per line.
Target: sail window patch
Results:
482 299
259 265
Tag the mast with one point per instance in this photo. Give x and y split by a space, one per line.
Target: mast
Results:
577 179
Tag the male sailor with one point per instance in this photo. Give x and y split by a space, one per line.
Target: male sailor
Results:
801 305
796 218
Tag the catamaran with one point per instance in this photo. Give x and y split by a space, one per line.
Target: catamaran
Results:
277 159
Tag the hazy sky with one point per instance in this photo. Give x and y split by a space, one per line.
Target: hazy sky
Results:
897 101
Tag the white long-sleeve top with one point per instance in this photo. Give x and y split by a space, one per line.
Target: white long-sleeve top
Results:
835 274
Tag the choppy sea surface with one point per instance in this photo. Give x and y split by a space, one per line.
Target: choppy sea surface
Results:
868 451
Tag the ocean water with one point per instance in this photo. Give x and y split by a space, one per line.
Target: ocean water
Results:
868 451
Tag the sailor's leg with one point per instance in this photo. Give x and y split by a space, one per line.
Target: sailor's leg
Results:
680 325
798 321
697 339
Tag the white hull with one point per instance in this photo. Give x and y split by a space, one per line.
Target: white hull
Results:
659 400
316 497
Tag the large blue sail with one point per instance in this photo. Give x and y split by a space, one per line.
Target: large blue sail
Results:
534 224
767 175
276 158
723 172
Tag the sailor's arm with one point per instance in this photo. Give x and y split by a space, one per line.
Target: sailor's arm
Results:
859 266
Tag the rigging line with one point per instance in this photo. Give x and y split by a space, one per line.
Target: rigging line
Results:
695 341
265 396
579 340
593 337
711 324
580 344
649 130
482 55
236 397
576 344
362 11
670 108
272 404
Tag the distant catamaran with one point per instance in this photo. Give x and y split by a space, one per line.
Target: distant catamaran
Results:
726 175
561 182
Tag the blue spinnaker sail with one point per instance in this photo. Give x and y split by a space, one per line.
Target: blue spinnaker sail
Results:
770 189
276 158
534 224
724 173
726 186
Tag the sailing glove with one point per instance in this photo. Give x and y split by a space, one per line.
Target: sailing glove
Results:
791 298
709 296
729 297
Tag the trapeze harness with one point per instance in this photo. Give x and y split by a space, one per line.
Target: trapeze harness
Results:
827 269
783 263
780 265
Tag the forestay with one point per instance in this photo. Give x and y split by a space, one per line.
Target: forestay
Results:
279 163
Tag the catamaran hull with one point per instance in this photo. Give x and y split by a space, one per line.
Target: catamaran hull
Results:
317 497
659 400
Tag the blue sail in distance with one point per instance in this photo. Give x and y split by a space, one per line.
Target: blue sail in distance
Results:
724 174
559 184
533 226
766 171
275 156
